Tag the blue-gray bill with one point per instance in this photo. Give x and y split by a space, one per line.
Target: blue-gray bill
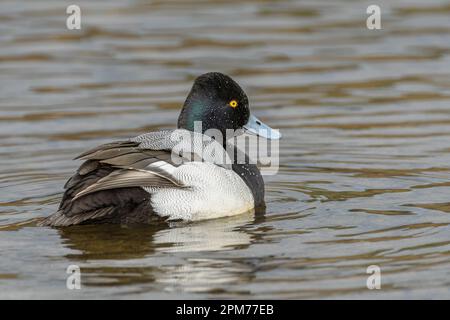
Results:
256 126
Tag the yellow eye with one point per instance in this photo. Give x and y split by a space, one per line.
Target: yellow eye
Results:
233 103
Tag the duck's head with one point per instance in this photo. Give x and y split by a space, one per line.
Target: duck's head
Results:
220 103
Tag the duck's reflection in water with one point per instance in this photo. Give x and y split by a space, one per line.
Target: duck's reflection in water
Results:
200 272
209 235
161 258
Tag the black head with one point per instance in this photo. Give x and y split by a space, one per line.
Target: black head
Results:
217 101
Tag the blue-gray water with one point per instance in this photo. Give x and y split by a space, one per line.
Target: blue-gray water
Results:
365 160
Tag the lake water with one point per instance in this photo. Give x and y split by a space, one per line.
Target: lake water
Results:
364 174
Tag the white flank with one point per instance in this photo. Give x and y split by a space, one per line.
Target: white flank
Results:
212 192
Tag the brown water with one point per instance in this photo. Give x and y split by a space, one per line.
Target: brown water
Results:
365 159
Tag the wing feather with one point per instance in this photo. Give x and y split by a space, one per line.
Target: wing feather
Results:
108 146
127 178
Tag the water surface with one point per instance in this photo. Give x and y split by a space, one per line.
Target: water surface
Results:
364 171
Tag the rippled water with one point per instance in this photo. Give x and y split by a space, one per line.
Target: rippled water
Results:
364 176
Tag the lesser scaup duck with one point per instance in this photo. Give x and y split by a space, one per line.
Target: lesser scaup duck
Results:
146 179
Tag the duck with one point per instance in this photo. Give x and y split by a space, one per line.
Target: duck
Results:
166 175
